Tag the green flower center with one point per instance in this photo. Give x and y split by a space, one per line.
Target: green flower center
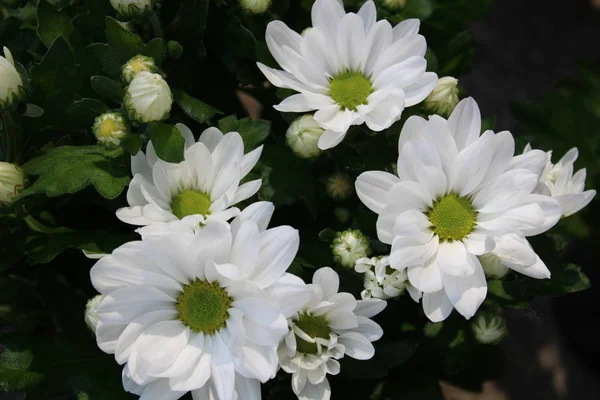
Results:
190 202
350 89
203 306
452 217
315 326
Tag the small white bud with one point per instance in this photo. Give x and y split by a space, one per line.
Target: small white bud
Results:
255 6
11 83
91 309
493 266
349 246
148 98
110 128
488 328
339 186
394 4
444 97
136 65
12 181
303 137
132 8
381 281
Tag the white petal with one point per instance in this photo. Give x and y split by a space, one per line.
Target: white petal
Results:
372 188
246 191
328 280
368 13
259 212
245 248
211 138
294 103
357 346
437 306
369 308
246 388
453 259
249 161
160 390
406 27
187 134
278 249
418 91
410 252
572 203
369 329
413 127
330 139
427 278
222 370
465 123
466 293
472 163
290 292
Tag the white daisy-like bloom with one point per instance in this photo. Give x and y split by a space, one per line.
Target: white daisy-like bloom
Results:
350 68
200 311
206 183
383 282
557 180
459 194
329 326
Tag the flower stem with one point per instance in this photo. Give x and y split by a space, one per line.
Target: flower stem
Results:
156 26
8 134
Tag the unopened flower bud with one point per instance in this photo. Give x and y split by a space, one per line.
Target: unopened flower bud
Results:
303 137
488 328
12 181
444 97
91 309
132 8
349 246
11 83
339 186
110 128
255 6
136 65
148 98
175 49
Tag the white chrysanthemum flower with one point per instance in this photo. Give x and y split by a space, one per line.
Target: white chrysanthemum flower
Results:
557 180
132 8
327 327
255 6
350 246
110 128
206 183
444 97
91 309
303 136
11 83
489 329
350 68
383 282
458 195
12 181
148 98
136 65
200 311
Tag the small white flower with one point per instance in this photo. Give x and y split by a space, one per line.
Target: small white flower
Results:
255 6
383 282
200 311
303 135
394 4
329 326
11 83
132 8
339 186
12 181
110 128
91 309
444 97
350 68
205 185
489 329
557 180
459 194
148 98
350 246
136 65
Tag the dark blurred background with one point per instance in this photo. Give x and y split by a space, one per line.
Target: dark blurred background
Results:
524 49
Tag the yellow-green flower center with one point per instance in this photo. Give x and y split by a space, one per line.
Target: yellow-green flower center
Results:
190 202
350 89
315 326
203 306
452 217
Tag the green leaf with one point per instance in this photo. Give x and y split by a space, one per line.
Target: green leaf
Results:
81 113
167 141
16 374
53 24
132 143
128 44
110 58
55 79
253 132
107 88
70 169
194 108
387 356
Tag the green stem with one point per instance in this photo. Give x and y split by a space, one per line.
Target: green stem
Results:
37 226
9 135
156 26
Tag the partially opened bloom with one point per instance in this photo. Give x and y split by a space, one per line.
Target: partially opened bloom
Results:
132 8
11 82
329 326
12 181
148 98
557 180
458 195
350 68
383 282
206 183
200 311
